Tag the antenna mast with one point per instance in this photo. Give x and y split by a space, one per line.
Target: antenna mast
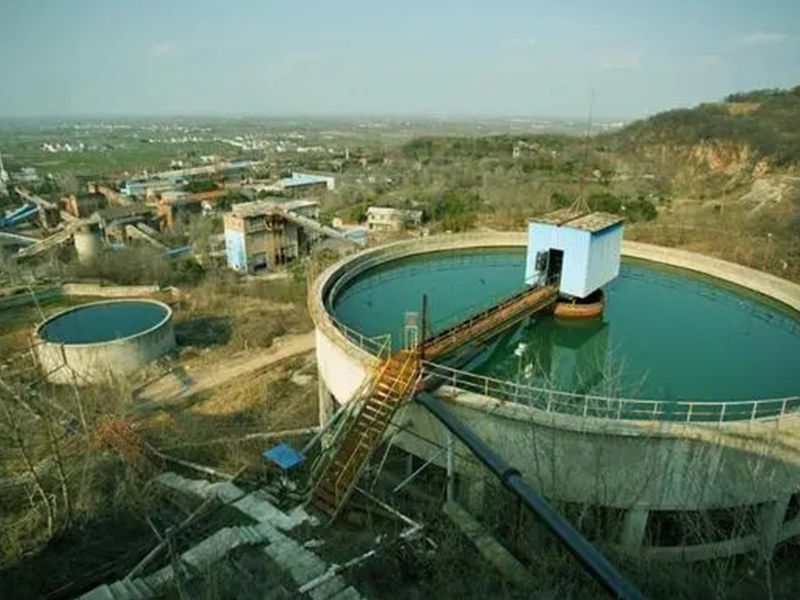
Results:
581 204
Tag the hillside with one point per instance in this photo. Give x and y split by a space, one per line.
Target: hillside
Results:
766 122
680 178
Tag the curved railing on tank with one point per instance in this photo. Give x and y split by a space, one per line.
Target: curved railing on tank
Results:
618 409
327 284
379 346
553 401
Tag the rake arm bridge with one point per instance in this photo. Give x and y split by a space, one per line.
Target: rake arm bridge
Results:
363 426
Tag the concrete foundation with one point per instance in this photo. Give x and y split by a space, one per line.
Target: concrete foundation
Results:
472 491
771 519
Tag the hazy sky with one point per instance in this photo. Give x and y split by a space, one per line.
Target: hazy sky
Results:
380 57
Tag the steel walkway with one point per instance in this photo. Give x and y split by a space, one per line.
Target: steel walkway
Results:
362 427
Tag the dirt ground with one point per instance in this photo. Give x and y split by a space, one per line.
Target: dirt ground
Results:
203 373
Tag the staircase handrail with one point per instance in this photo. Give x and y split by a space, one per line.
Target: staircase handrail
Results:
412 361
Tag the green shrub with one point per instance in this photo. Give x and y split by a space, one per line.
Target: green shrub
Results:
640 209
605 203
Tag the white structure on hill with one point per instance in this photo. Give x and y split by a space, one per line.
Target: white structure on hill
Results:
380 218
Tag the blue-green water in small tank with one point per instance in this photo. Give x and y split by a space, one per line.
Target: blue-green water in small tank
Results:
103 322
665 334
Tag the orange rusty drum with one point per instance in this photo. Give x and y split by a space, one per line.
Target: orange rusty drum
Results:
587 308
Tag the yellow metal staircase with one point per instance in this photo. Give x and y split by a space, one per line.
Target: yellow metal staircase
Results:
363 431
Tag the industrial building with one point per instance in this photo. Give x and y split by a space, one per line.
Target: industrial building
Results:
84 205
355 231
149 189
306 182
177 206
296 184
582 251
26 175
258 235
382 218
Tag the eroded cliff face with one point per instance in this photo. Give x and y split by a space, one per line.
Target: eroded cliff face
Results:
718 157
707 169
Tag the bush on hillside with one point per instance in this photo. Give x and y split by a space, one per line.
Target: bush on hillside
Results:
633 209
456 209
140 266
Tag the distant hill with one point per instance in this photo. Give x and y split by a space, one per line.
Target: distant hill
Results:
767 122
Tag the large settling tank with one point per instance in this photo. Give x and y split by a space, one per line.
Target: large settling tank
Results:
96 342
683 397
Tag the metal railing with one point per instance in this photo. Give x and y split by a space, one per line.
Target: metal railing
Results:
379 346
618 409
479 324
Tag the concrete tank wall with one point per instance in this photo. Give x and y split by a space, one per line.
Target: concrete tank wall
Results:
622 464
341 372
102 362
640 466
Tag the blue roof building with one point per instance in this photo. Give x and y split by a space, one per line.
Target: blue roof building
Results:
306 180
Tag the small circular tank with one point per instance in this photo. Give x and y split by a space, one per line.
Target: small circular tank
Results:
99 341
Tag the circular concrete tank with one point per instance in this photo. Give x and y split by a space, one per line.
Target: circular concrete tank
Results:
650 458
99 341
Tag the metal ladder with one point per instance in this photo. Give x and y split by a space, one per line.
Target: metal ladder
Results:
363 431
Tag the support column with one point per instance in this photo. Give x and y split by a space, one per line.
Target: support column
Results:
771 519
409 464
473 493
633 528
451 472
325 401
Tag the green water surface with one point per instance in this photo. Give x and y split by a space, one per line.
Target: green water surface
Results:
665 334
103 322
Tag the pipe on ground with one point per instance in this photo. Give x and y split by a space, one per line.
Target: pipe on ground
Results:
586 554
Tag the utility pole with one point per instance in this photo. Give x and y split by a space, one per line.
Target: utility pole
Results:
424 332
177 567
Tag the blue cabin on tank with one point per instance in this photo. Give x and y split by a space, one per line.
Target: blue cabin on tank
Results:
581 251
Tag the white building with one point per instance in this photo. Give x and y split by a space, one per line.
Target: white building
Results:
580 250
3 178
380 218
